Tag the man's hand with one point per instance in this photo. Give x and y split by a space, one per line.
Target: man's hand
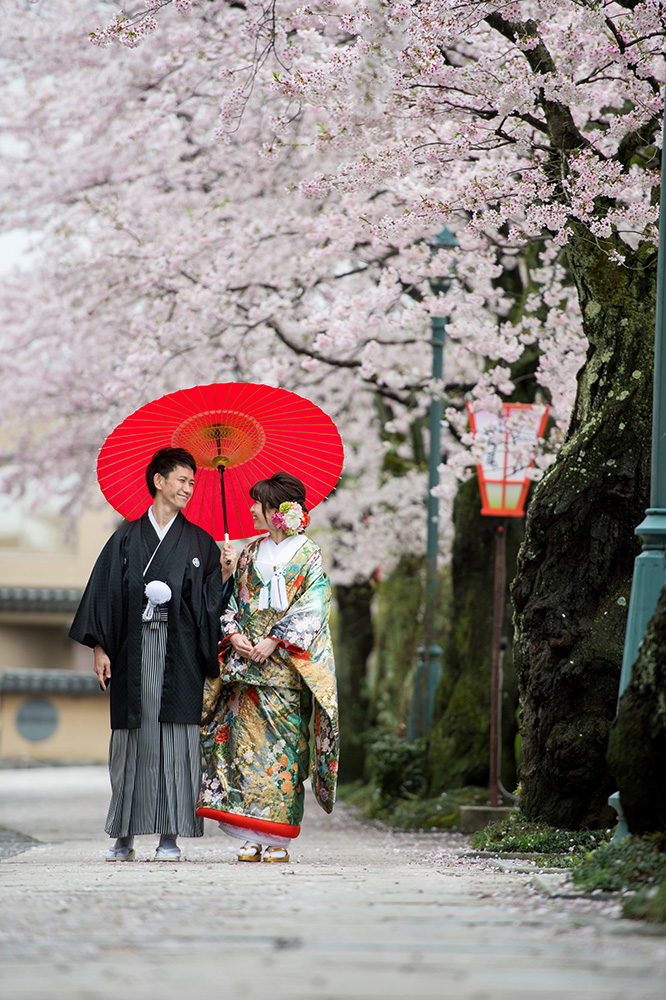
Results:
263 649
102 667
227 560
241 644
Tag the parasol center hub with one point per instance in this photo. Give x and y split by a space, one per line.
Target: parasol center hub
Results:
220 439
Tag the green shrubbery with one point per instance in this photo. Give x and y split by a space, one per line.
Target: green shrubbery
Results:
630 863
648 903
411 812
396 766
518 835
635 867
393 794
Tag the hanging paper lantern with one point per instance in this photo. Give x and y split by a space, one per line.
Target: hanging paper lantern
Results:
508 439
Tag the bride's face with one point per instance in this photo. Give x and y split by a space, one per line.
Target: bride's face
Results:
261 521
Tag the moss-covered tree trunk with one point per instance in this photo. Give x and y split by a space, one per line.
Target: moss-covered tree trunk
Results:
459 740
353 644
575 567
637 746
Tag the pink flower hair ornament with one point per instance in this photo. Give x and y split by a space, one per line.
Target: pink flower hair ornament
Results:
291 518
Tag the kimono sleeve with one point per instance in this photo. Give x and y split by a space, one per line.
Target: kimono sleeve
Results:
308 614
99 617
229 622
214 598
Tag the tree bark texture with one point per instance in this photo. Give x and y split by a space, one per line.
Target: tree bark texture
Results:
575 567
637 745
459 739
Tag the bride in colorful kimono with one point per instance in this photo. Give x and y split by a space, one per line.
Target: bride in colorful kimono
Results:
277 676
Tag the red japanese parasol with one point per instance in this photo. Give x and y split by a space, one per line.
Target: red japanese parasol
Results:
238 433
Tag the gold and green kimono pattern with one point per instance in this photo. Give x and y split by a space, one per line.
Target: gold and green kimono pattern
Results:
255 725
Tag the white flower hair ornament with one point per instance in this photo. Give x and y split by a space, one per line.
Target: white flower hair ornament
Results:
291 518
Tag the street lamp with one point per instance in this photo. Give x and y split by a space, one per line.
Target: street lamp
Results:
429 654
648 578
505 440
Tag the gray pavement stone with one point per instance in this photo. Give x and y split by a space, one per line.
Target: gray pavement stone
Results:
361 912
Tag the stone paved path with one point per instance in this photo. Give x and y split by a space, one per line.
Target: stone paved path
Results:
361 912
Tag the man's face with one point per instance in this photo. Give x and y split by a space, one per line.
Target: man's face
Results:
177 488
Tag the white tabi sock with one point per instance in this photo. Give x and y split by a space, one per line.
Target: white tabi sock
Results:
124 842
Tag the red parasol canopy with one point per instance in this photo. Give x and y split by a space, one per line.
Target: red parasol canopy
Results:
249 431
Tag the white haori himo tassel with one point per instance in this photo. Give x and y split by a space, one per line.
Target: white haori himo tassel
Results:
277 589
157 593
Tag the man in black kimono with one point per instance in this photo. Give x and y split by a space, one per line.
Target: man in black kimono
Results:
151 612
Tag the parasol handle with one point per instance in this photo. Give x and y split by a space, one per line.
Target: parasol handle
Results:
220 469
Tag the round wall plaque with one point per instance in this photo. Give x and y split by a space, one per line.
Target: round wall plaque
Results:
37 719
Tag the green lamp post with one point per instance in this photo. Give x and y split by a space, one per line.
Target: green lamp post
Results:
429 654
649 576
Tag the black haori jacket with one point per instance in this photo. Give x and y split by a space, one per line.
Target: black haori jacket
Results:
112 604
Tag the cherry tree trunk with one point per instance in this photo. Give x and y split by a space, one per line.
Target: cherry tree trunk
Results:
574 571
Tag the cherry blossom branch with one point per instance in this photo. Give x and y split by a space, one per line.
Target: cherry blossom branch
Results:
562 129
310 352
130 30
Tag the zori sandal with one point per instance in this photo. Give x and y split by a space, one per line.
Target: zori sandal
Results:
250 851
120 854
276 854
168 854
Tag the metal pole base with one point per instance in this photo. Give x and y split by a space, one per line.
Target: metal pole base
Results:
646 586
426 679
621 830
649 578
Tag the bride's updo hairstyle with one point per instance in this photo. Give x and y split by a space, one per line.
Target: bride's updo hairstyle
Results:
282 487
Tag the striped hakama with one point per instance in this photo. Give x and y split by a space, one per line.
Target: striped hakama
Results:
155 770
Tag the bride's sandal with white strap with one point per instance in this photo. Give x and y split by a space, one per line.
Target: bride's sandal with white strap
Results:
249 851
276 854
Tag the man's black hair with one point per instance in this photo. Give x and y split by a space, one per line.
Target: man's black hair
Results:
164 462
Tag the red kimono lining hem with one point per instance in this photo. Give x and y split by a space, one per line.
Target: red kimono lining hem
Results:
251 822
296 651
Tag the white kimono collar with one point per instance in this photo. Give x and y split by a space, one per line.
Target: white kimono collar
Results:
271 563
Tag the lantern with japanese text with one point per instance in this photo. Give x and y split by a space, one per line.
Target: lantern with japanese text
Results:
507 441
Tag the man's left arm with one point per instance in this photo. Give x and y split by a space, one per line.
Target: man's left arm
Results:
213 599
